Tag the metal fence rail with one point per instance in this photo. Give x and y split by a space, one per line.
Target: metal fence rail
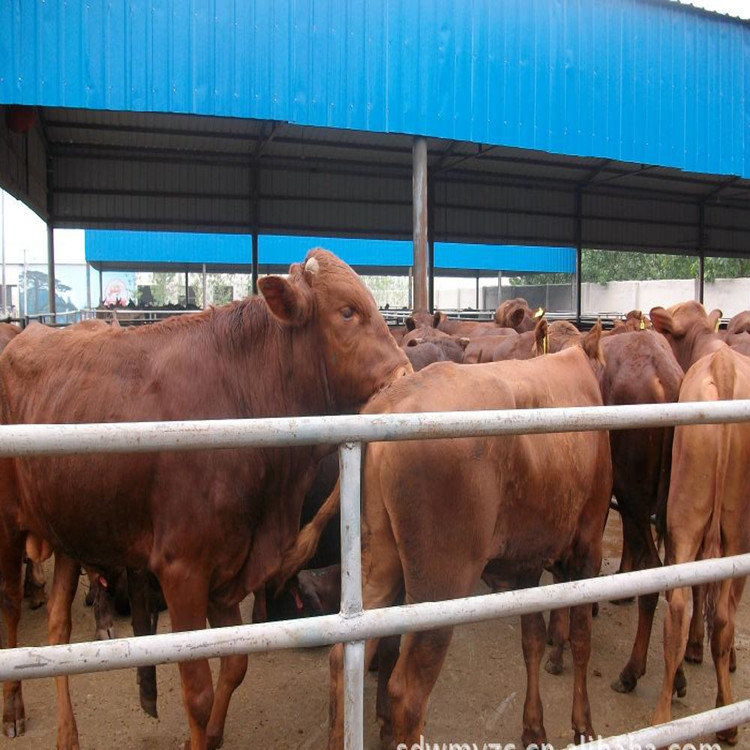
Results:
353 625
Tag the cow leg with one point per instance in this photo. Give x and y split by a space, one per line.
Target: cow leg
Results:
696 634
11 563
140 612
557 637
103 609
631 549
387 656
675 637
417 668
33 585
722 639
533 641
64 585
231 673
645 556
580 646
186 594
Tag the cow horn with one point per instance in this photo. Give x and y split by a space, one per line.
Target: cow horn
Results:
312 265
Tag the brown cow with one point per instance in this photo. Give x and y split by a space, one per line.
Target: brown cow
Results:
33 583
517 503
424 352
211 525
516 314
708 511
500 348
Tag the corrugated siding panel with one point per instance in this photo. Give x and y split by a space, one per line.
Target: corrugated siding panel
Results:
633 80
195 248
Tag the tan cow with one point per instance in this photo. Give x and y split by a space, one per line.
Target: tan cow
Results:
502 508
708 511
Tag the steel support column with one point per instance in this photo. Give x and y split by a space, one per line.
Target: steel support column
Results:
579 252
431 244
419 202
701 251
205 287
51 269
255 208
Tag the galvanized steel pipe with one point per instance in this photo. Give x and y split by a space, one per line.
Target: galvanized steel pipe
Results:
100 656
678 731
142 437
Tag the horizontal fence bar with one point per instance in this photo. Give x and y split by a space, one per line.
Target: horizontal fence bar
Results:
100 656
141 437
677 731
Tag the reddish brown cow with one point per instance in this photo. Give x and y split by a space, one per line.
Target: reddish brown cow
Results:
740 323
500 348
501 508
33 583
422 353
640 369
210 525
708 511
516 314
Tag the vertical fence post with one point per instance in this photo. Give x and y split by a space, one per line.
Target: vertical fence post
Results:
350 466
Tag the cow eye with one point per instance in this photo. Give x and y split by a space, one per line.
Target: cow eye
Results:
347 313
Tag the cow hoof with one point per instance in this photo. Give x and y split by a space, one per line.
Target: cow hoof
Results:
625 683
148 704
89 600
15 728
729 736
694 653
553 666
37 597
536 737
680 684
105 634
579 737
214 743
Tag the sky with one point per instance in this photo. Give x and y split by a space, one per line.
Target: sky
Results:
738 8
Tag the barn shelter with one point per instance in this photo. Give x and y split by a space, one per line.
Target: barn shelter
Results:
576 123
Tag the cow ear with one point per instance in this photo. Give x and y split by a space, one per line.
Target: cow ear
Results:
437 319
516 317
287 301
410 323
663 322
592 343
415 342
464 342
714 318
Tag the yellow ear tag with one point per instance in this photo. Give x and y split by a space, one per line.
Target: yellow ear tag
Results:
716 326
642 325
539 313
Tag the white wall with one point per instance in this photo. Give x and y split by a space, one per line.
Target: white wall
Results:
729 295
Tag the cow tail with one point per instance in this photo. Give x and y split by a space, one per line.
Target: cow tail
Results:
307 540
722 370
662 491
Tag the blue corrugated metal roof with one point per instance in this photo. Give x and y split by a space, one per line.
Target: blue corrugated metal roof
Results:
105 247
634 80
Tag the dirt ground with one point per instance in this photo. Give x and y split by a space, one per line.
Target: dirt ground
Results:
283 702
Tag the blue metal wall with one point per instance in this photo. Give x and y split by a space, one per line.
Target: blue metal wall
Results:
636 80
144 248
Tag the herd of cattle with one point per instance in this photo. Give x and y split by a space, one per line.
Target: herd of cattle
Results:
206 528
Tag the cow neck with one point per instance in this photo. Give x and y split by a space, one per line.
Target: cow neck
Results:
289 358
696 344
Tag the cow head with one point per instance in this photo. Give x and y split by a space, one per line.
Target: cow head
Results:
325 294
689 330
516 314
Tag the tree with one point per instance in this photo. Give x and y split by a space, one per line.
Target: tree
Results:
36 284
603 266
